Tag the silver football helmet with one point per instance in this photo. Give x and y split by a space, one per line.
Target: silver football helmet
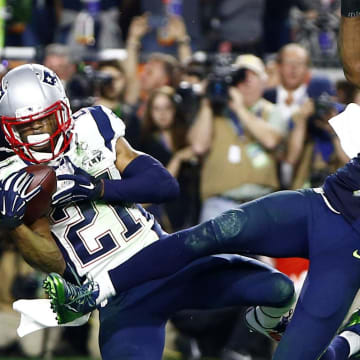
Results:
30 93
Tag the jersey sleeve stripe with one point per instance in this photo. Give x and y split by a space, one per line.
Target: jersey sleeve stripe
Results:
104 125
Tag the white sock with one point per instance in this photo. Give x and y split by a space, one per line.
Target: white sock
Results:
269 317
266 320
106 287
354 341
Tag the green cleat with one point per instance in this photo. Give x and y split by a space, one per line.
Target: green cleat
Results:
353 325
69 301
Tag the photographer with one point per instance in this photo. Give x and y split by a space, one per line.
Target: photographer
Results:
111 86
237 133
313 148
237 139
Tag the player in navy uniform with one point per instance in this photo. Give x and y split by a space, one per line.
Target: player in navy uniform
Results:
95 226
344 189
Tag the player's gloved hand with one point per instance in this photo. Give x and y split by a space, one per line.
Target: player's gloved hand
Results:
14 197
82 187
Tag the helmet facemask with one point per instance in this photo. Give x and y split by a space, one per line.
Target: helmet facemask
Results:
33 93
58 140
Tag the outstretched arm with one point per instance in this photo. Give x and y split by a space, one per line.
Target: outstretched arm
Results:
138 28
349 40
144 180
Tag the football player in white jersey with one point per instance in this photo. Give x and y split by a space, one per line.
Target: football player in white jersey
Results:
97 232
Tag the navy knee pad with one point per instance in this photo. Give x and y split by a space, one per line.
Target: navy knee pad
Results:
229 225
285 289
211 236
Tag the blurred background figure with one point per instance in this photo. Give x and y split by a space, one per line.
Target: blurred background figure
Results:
158 68
293 67
237 132
234 26
18 15
278 29
93 24
317 30
58 58
296 92
112 87
163 136
171 23
313 146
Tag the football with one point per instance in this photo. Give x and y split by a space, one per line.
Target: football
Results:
38 206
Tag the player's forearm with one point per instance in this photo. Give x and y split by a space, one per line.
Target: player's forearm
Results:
39 249
144 180
349 40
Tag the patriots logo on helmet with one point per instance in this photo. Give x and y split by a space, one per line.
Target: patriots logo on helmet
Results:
49 78
2 93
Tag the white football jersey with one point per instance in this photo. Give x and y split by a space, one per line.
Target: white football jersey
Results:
94 236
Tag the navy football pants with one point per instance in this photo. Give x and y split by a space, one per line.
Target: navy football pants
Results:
283 224
132 325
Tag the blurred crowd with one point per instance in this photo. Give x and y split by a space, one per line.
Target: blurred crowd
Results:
223 93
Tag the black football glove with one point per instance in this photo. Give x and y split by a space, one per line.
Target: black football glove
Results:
14 198
84 187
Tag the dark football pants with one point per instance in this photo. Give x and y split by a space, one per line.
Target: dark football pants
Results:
283 224
132 325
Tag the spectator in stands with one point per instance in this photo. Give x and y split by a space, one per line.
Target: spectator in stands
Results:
43 16
88 23
314 149
57 57
235 26
112 87
237 141
277 28
159 69
171 23
293 95
164 136
317 30
19 16
293 63
272 71
241 136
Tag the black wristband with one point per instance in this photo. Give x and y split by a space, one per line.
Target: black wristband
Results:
350 8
